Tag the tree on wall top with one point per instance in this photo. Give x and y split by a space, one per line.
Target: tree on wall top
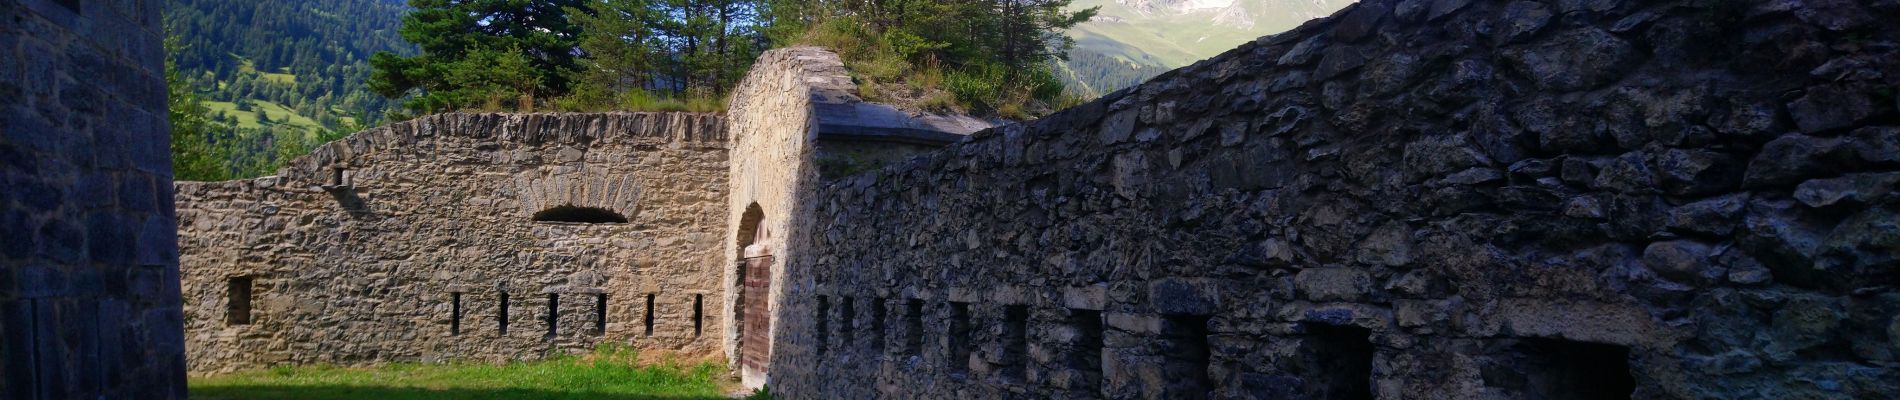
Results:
460 39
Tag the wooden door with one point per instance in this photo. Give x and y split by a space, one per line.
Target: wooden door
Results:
755 341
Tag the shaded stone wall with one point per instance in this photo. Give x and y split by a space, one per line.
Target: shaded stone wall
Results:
796 120
1410 199
369 269
89 303
772 127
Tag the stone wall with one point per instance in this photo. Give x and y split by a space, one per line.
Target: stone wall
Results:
772 127
797 121
89 304
369 266
1410 199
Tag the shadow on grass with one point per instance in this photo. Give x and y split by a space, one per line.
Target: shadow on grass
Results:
341 392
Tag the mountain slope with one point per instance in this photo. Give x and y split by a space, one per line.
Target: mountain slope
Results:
282 74
1147 37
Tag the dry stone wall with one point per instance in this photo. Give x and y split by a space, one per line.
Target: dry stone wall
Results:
1410 199
402 243
89 301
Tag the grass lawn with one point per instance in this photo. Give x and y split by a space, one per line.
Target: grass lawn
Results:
248 119
607 375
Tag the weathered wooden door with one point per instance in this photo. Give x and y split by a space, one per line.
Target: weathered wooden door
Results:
754 343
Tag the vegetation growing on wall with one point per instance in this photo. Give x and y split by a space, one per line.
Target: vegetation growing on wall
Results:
985 56
312 83
575 55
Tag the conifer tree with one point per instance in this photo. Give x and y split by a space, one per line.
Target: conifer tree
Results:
452 32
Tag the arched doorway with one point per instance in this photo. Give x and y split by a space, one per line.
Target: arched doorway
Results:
752 312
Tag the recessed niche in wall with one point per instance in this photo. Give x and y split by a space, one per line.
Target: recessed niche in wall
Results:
1184 346
1340 360
237 309
847 321
580 215
822 320
699 314
959 354
1562 370
340 178
913 327
1016 343
877 324
1085 354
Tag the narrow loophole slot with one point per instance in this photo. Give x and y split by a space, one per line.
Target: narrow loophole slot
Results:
600 314
823 319
554 314
501 315
455 314
649 315
699 314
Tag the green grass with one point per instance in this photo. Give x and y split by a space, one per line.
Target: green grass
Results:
610 374
281 76
279 115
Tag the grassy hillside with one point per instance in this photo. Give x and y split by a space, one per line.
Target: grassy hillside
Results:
298 63
1153 42
279 115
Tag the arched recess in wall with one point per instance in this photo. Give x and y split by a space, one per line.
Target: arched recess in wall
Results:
751 311
749 223
583 215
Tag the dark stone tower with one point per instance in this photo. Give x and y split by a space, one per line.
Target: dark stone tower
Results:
89 298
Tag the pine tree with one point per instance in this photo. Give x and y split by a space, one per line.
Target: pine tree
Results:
193 156
621 45
451 32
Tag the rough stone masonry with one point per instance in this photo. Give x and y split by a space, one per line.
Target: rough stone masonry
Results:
463 237
1410 199
89 302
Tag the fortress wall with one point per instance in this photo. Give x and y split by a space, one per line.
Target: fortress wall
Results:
88 249
773 128
1410 199
444 205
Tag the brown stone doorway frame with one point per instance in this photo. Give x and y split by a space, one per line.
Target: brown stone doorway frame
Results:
752 308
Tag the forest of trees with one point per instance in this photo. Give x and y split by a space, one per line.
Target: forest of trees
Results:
274 78
1092 74
271 79
992 55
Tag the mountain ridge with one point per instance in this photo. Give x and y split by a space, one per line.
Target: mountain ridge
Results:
1153 36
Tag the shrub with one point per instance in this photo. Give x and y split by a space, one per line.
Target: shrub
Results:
978 86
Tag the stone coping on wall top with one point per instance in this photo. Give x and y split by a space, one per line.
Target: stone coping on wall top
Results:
880 122
693 130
